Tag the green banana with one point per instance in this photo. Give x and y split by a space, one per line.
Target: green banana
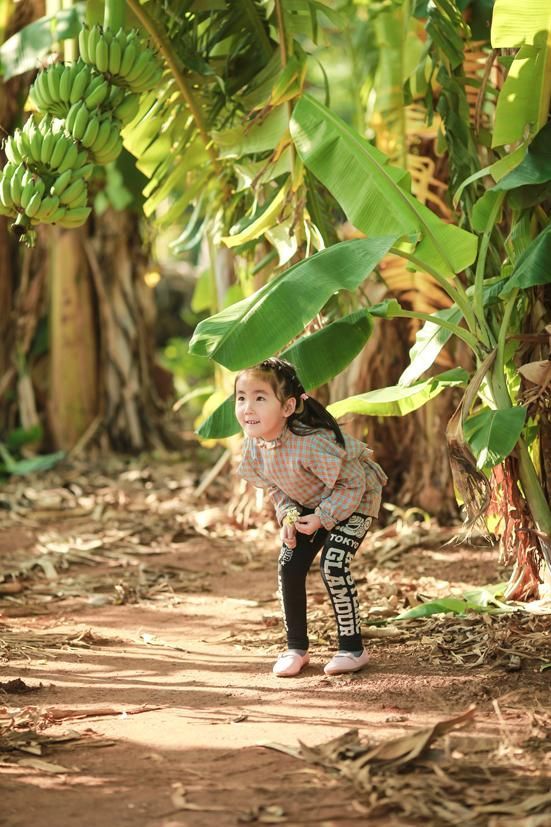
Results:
20 144
82 159
16 184
34 205
59 151
94 36
102 54
81 122
75 217
53 74
70 158
139 67
61 183
111 151
96 97
81 81
65 83
36 145
8 212
103 135
5 194
128 109
83 44
115 56
107 148
47 208
26 194
84 172
12 153
40 91
57 215
73 192
91 132
116 95
47 147
149 79
36 97
71 115
128 59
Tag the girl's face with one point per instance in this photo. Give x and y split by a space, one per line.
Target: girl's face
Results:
257 408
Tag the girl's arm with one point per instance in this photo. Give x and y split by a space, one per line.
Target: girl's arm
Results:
281 501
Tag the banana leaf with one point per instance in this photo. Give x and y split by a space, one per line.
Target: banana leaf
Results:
525 96
260 325
25 49
492 435
535 167
31 465
317 357
399 400
375 195
532 268
429 341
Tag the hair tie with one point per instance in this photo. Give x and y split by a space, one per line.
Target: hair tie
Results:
304 396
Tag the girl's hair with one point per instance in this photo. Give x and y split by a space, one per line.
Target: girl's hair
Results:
310 415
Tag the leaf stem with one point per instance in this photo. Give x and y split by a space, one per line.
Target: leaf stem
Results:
478 299
454 291
164 46
465 335
114 14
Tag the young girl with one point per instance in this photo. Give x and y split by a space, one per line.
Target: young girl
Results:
325 489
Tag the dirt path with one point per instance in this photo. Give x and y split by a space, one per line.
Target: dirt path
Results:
196 649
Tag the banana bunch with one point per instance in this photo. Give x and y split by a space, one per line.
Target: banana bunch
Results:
27 194
121 56
99 134
84 106
59 86
45 148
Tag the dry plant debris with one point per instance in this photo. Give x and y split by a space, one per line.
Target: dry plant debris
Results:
22 735
410 777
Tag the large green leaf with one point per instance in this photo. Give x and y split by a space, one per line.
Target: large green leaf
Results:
255 328
399 400
535 168
524 98
317 357
24 50
374 194
533 267
492 435
32 465
429 341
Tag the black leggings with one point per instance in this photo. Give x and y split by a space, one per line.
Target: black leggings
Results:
339 546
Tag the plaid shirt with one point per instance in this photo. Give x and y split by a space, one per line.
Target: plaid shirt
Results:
314 471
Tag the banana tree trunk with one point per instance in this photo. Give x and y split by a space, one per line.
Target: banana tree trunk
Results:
131 412
73 385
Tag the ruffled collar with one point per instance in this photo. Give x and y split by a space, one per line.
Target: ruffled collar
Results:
270 444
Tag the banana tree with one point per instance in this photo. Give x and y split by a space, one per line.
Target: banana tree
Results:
96 384
489 435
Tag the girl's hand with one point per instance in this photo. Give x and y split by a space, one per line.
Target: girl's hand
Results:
288 535
308 524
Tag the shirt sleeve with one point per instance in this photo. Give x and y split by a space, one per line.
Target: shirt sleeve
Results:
344 480
248 471
281 501
247 468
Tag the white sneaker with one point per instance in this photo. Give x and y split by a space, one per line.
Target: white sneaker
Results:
346 662
289 664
